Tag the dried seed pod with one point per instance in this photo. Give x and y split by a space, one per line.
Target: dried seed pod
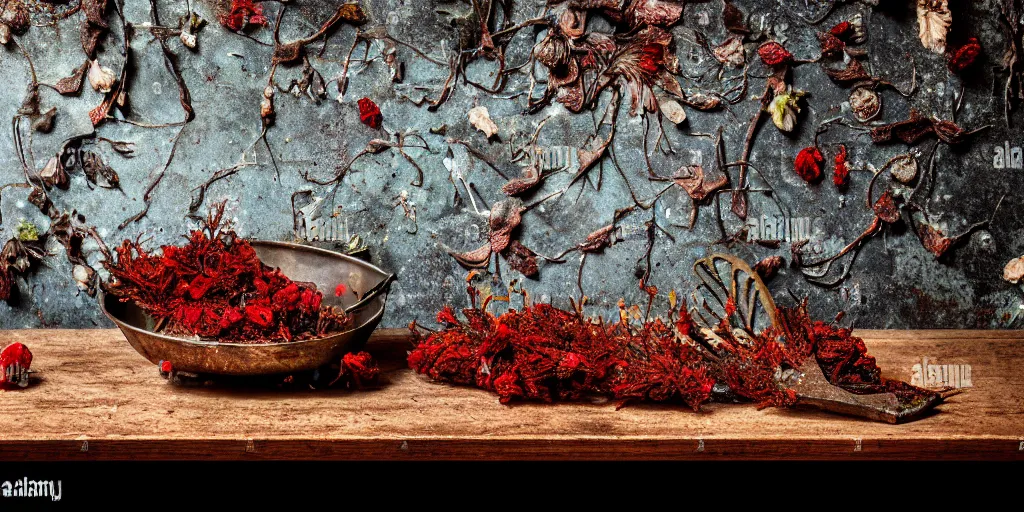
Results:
904 168
552 51
865 103
101 78
267 104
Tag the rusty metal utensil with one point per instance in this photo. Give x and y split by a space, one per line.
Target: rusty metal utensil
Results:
723 277
301 263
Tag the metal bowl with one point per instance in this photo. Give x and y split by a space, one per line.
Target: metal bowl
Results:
300 263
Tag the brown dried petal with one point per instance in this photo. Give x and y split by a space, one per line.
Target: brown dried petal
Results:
731 52
44 123
553 51
505 216
853 72
478 258
529 180
573 23
1014 270
692 179
933 239
521 258
767 267
72 84
933 20
733 19
653 12
885 208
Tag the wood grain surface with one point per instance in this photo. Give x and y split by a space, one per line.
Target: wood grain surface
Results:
98 399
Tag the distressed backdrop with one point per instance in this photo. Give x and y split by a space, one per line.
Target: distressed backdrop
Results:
423 188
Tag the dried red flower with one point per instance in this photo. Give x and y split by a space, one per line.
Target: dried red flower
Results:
547 354
357 370
216 287
841 172
166 367
369 113
774 54
962 58
808 164
242 13
340 290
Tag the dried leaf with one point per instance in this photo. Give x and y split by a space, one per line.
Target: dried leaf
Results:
933 20
44 123
853 72
481 120
692 179
505 216
478 258
933 239
529 180
733 19
731 52
70 85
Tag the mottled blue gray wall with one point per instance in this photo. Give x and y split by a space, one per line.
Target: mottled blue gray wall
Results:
894 282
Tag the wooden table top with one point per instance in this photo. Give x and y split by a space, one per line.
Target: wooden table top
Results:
99 399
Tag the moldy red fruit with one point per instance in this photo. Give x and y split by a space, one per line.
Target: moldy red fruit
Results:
369 113
808 164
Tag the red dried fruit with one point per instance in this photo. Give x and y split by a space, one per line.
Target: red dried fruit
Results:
962 58
340 290
841 172
369 113
15 361
166 367
808 164
774 54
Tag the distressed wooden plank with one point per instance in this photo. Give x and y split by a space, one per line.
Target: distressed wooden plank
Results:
99 400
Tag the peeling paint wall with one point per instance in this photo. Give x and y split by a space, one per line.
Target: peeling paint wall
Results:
894 281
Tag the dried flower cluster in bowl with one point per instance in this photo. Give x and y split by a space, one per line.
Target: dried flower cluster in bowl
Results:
216 287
